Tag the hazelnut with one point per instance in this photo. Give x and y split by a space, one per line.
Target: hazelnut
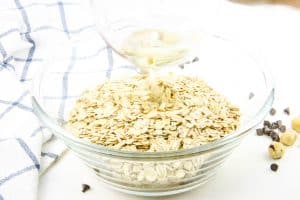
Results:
296 124
288 138
276 150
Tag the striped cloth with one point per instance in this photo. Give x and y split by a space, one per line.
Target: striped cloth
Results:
30 31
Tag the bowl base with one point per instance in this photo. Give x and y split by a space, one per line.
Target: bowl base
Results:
153 193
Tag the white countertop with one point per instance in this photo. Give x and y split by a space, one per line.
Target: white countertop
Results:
275 32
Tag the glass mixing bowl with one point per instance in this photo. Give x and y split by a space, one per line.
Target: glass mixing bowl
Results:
222 64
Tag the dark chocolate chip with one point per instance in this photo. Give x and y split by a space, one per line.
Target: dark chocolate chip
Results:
195 59
272 147
273 133
267 131
287 111
279 123
251 95
267 123
275 137
282 128
181 66
259 132
274 125
272 111
85 187
274 167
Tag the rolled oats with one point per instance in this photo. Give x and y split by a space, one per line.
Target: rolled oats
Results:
188 165
180 173
150 174
153 114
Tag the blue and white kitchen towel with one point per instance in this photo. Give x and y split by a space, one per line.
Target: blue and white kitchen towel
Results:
30 30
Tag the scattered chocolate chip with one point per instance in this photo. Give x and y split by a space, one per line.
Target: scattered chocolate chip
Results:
274 125
267 123
259 132
85 187
275 137
273 133
274 167
279 123
195 59
287 111
181 66
282 128
267 131
272 147
251 95
272 111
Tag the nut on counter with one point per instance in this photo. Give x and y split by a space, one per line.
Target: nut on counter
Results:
288 138
276 150
296 124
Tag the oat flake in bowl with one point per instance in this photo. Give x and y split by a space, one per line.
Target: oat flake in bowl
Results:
153 114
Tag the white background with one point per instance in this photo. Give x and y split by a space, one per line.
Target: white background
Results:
273 31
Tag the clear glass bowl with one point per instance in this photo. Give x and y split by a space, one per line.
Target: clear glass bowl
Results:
222 64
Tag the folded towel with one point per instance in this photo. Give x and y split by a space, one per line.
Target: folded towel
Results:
30 33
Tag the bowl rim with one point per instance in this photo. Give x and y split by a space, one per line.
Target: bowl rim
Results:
55 126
